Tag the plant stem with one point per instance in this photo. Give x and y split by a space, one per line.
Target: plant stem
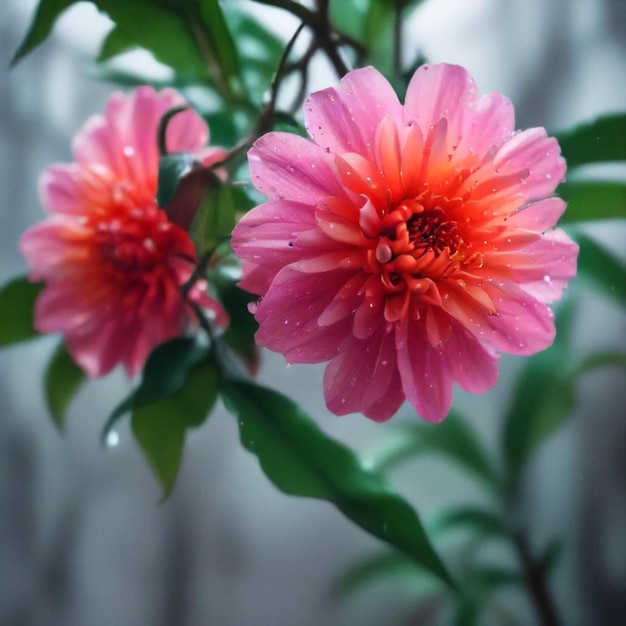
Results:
536 581
326 37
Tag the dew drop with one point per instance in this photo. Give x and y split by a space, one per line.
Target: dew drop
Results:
112 439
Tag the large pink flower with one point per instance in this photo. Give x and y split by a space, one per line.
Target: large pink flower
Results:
112 262
408 245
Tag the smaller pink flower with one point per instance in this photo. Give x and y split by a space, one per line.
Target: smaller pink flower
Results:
112 262
407 244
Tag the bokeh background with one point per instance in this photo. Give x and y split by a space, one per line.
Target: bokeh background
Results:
83 538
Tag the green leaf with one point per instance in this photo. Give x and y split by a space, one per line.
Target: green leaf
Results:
479 583
62 380
165 373
301 460
477 520
160 427
603 270
259 51
454 438
221 42
215 218
240 333
543 399
167 369
601 360
593 201
173 167
46 14
390 567
599 141
121 409
116 42
168 37
17 304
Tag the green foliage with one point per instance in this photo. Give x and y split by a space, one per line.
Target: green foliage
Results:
479 583
593 200
479 521
599 141
17 303
454 438
543 399
239 335
601 268
40 28
164 374
173 168
301 460
62 380
215 218
160 426
219 40
389 567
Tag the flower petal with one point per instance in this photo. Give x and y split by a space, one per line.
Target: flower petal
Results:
426 380
345 119
288 167
363 377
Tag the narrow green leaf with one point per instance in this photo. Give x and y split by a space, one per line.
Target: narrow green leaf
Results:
62 380
167 369
454 438
543 399
301 460
601 360
167 38
220 39
599 141
602 269
593 200
240 333
114 43
479 583
173 167
389 567
477 520
215 218
46 14
165 373
160 426
17 304
124 407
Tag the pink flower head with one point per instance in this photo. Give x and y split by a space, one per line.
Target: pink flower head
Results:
407 245
112 262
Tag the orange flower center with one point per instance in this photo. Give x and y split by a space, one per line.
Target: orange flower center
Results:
416 242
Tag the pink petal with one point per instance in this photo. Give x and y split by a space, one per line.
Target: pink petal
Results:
273 232
473 365
539 216
363 377
426 380
345 119
540 155
55 247
546 265
439 91
288 167
288 315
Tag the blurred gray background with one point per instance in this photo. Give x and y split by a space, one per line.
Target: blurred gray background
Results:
83 540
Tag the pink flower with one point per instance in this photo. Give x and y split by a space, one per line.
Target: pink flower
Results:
407 245
112 262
